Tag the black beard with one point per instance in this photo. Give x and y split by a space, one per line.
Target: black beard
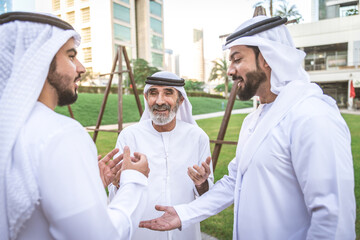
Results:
58 81
254 79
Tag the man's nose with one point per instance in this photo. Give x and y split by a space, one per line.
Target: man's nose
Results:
160 99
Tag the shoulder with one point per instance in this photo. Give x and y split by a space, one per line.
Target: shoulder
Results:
45 123
190 129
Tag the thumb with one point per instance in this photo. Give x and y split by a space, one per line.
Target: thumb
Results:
126 156
208 160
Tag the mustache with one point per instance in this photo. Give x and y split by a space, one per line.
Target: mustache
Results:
161 107
235 77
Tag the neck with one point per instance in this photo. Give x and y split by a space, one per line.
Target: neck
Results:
165 128
48 96
268 98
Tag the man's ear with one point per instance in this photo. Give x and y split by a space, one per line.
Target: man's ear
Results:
181 100
263 61
145 95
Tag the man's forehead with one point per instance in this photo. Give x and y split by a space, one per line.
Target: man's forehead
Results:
158 87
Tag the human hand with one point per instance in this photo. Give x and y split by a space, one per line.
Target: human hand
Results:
168 221
199 174
138 162
109 168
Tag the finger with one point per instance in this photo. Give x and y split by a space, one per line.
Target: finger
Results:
99 157
193 175
200 170
126 157
139 156
208 160
117 167
133 159
115 161
206 167
161 208
110 155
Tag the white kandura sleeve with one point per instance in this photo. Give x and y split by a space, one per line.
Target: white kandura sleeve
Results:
219 197
73 198
321 155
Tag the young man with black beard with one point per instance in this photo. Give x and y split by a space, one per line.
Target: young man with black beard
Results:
292 177
51 187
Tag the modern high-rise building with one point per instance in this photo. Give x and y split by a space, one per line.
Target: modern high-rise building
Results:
5 6
199 62
332 45
104 25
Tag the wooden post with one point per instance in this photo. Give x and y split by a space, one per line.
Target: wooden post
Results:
120 91
106 94
132 80
224 123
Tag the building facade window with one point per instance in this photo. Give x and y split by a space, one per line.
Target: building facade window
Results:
155 8
70 17
86 35
87 55
156 25
156 42
326 57
121 13
122 33
56 5
157 59
85 15
69 3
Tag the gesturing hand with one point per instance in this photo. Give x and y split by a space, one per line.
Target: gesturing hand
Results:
168 221
200 174
109 168
138 162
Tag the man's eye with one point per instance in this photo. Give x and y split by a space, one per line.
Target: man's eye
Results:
72 57
237 60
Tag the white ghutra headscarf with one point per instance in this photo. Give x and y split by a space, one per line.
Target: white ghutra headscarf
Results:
184 112
26 51
278 49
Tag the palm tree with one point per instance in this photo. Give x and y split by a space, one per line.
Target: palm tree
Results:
270 5
285 10
219 71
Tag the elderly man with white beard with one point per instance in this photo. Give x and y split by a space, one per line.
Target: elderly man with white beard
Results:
177 150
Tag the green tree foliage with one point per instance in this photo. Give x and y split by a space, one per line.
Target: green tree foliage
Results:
289 11
352 12
142 70
219 71
221 87
191 85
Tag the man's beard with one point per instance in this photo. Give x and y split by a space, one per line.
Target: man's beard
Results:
65 95
251 85
161 119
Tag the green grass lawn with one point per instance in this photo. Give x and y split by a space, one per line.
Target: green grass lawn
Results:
220 226
87 108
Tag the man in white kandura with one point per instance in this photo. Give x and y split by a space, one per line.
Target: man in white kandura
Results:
173 144
292 177
49 175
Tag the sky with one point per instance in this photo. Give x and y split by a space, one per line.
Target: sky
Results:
215 17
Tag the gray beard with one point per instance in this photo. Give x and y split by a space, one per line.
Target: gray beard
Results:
160 119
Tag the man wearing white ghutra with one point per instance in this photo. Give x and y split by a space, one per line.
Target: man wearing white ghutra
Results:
293 175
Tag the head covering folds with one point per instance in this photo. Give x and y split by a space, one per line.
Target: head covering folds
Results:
276 46
27 48
164 78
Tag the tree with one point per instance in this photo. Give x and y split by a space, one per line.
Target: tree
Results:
221 87
219 71
191 85
260 3
142 70
285 10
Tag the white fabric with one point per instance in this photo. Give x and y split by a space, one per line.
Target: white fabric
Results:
26 50
277 48
169 155
73 202
298 181
184 112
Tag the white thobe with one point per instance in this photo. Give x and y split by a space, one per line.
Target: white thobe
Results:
169 155
73 201
292 177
